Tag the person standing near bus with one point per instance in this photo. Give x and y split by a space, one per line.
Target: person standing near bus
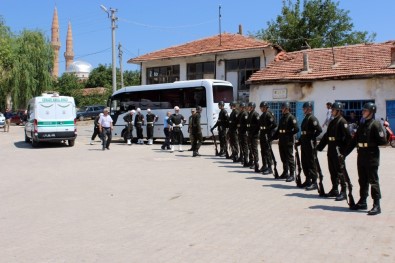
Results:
138 123
222 124
196 131
96 128
128 118
191 138
232 131
166 130
106 127
151 119
176 120
242 132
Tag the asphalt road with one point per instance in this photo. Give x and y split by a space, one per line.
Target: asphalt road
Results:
141 204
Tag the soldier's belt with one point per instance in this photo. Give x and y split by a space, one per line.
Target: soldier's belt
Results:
282 131
139 122
150 123
366 145
263 128
332 139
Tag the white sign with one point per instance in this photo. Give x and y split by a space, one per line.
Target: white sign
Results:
279 93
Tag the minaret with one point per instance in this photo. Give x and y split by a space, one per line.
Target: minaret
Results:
69 54
55 43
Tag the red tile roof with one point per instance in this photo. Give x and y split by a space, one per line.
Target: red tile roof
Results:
210 45
355 61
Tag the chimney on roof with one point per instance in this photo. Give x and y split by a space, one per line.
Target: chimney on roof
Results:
240 29
392 57
306 66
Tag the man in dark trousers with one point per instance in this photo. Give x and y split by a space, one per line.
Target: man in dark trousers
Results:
287 128
253 135
337 136
138 123
310 129
368 137
96 131
242 133
176 120
222 124
151 119
267 126
196 131
128 118
191 138
232 131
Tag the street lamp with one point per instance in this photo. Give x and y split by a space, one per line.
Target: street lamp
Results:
113 26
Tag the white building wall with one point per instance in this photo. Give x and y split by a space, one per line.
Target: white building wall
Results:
321 92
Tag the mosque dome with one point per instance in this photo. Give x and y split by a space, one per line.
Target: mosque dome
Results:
79 67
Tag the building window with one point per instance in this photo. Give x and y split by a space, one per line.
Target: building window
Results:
203 70
166 74
245 68
353 106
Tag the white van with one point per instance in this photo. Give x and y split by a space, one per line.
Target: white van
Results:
51 117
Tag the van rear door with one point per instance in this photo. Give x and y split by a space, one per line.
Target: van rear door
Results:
65 115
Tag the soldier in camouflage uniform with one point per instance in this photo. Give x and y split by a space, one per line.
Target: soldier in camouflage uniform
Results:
232 131
310 129
287 128
368 137
267 125
337 136
242 133
253 135
222 124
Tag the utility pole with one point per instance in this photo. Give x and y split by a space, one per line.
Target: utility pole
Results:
113 27
120 52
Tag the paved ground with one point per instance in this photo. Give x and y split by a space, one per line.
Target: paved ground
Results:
141 204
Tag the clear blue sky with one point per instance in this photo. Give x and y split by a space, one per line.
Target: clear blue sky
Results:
146 26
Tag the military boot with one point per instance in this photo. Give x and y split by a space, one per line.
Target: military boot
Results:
332 193
290 178
342 196
376 208
284 175
245 163
312 186
306 183
256 168
360 205
268 170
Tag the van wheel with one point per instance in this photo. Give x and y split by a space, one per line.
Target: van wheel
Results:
392 143
34 143
81 118
27 140
71 143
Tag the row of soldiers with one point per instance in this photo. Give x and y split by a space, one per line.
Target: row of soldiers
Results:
244 127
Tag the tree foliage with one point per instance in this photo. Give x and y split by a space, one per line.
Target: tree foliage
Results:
320 23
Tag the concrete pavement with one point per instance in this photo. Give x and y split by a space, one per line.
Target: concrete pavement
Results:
141 204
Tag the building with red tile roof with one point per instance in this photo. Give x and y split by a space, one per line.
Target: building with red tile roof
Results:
351 74
231 57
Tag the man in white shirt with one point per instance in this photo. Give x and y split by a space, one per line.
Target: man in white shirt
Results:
328 114
105 127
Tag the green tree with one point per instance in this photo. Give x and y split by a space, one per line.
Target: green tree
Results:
131 77
32 65
102 77
321 23
68 84
6 62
